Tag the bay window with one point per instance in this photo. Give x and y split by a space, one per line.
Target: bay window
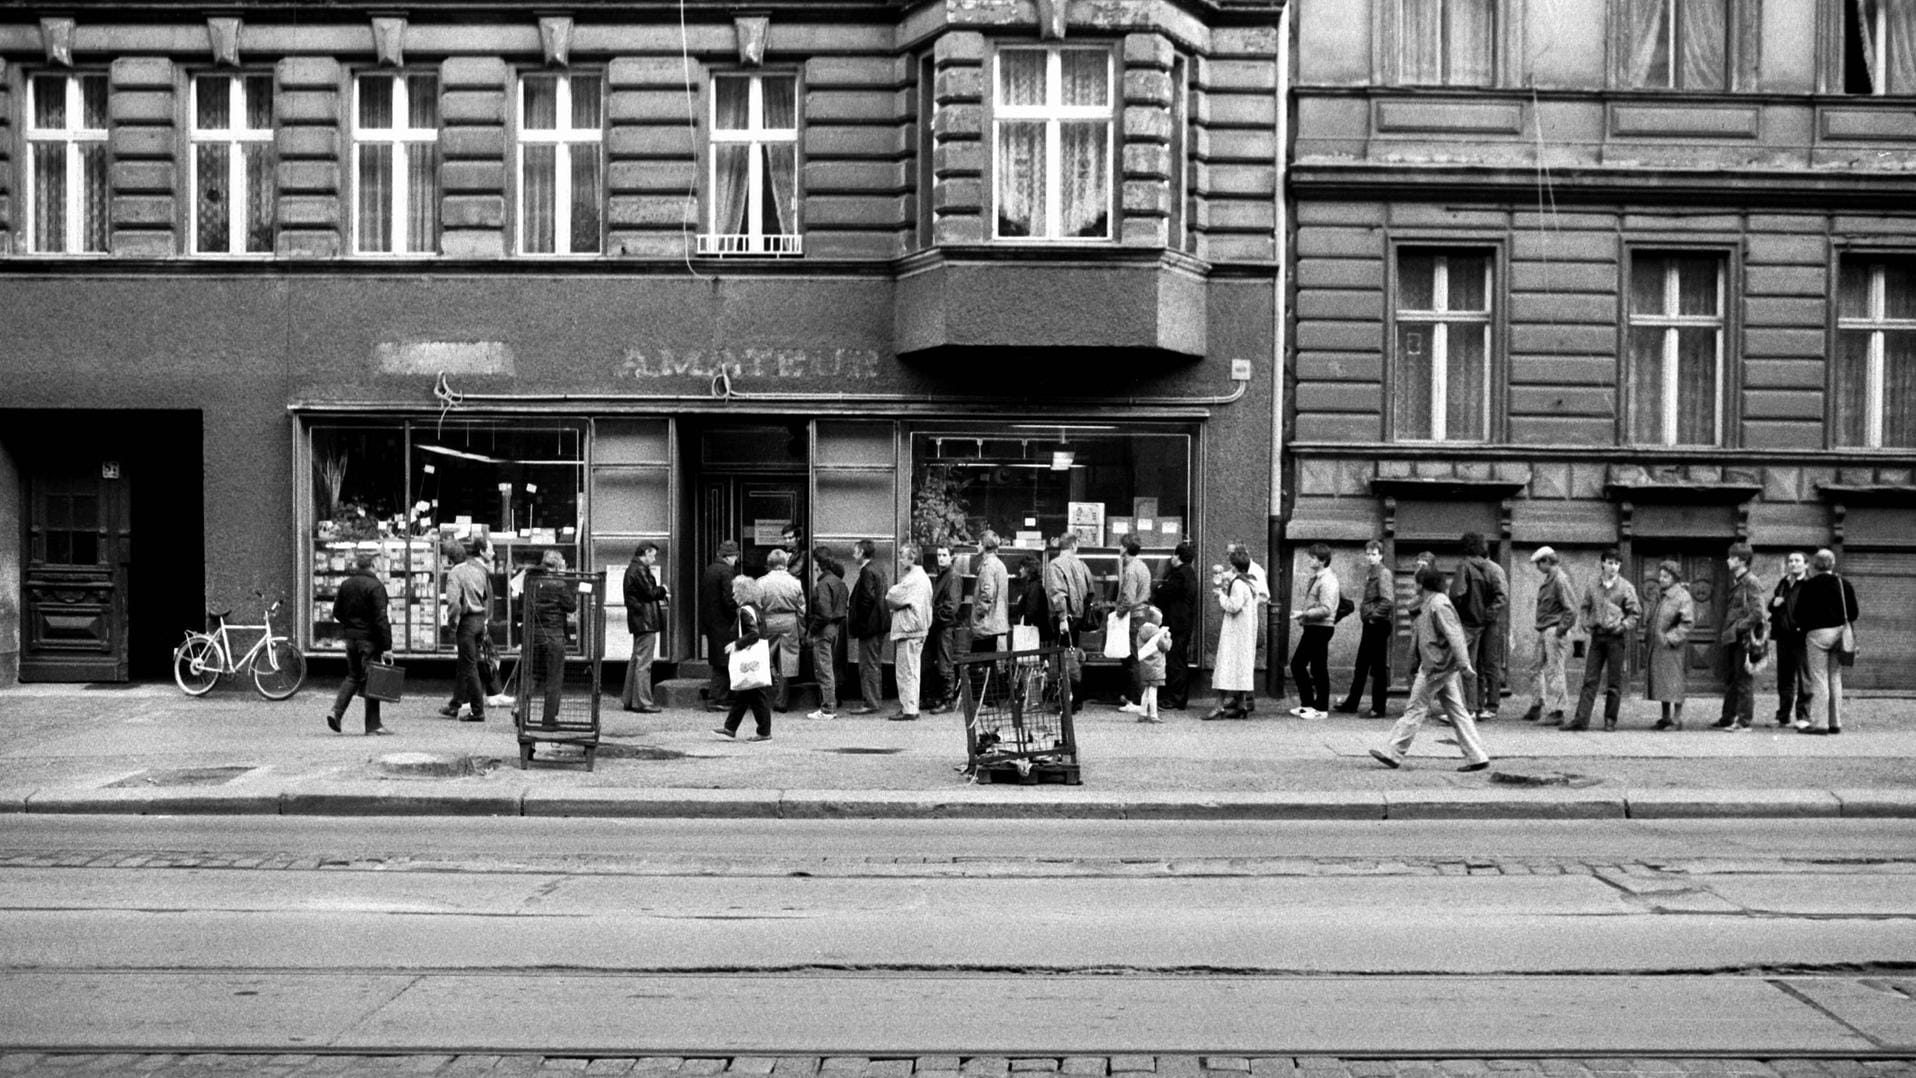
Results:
396 164
1675 375
561 182
232 169
66 173
753 166
1052 126
1874 392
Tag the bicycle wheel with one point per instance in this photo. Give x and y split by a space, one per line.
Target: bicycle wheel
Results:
278 670
196 665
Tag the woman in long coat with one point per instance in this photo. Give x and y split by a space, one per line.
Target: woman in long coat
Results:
1236 671
1668 626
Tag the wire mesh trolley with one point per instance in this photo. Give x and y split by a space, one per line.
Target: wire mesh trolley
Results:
1017 708
560 617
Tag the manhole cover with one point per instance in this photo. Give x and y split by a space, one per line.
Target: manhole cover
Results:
182 776
861 750
638 752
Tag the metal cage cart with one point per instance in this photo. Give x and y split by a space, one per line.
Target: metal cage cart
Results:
1017 708
561 619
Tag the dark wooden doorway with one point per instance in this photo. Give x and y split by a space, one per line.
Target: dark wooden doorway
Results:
74 587
1708 579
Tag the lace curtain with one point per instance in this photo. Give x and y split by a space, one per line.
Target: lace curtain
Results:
1445 42
781 158
731 164
1700 60
1894 72
1021 145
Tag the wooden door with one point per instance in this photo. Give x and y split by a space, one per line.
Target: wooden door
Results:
74 588
752 510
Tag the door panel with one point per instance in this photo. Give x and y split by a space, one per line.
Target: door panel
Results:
74 605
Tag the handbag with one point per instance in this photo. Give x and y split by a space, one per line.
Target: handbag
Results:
1117 636
1846 645
385 682
750 667
1024 638
1344 608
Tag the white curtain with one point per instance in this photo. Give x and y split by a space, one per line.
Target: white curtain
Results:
1084 164
1472 28
1420 41
1703 34
375 197
781 158
730 161
1645 57
1894 72
540 177
422 198
587 196
1021 145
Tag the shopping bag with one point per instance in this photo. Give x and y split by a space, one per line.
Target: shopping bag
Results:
385 682
1024 638
1117 636
751 667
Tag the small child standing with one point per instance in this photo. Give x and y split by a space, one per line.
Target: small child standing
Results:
1154 643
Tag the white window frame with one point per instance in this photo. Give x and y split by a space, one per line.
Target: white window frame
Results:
1054 116
563 137
754 240
1442 317
1876 322
233 137
404 140
74 137
1670 323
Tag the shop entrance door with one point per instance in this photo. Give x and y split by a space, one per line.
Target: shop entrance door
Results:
1708 579
74 587
750 509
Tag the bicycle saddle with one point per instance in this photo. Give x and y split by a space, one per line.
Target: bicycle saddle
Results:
218 615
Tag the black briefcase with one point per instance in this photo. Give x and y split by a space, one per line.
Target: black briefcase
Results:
385 682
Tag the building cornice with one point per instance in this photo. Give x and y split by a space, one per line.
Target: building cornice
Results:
1639 186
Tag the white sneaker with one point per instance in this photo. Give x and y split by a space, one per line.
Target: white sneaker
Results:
821 713
500 700
1301 712
1312 714
1131 709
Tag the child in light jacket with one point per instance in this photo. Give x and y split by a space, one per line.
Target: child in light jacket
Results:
1154 643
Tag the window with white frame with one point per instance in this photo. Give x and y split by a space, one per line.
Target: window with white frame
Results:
1874 393
1878 39
561 166
66 172
1445 42
1675 44
396 163
1051 131
1440 371
753 166
1675 376
232 170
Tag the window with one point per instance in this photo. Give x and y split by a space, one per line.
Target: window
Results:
232 175
66 180
1441 371
1674 44
561 169
1675 374
1879 47
754 166
395 164
1051 142
1875 376
1445 42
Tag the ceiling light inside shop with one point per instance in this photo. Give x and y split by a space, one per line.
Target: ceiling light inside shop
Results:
1061 460
460 453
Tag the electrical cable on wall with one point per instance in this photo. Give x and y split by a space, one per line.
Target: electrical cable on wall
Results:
692 128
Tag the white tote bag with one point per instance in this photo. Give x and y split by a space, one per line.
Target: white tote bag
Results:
1117 636
751 667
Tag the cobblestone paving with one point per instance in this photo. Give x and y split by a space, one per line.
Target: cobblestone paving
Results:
204 1065
952 866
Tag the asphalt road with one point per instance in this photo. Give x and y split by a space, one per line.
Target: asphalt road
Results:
1614 937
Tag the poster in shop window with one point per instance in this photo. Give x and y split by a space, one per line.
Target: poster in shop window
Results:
1087 522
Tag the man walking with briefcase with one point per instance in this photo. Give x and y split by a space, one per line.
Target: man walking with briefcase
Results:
360 610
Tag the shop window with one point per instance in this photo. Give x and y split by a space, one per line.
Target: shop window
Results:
233 161
1030 484
66 177
1445 42
396 164
1874 392
1674 374
408 491
1440 369
753 167
561 166
1685 44
1052 119
1878 39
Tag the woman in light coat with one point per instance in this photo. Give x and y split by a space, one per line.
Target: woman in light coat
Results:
1669 625
1236 670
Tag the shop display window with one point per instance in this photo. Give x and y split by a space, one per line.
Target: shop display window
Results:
409 491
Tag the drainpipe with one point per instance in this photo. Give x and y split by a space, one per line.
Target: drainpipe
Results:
1278 616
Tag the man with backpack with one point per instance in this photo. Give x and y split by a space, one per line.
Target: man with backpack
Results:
1480 591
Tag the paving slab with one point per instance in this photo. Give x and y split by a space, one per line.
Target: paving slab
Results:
1678 804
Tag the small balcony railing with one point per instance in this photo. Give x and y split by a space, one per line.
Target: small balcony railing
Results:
721 245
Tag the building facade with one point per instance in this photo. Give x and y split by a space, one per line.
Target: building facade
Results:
1637 274
284 282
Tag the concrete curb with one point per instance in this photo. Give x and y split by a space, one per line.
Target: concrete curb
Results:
451 798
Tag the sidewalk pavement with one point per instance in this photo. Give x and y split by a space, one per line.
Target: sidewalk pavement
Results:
150 749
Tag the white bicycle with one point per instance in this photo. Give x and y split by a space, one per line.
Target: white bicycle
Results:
202 659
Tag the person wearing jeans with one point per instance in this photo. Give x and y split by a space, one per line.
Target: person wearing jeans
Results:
870 621
1443 661
644 596
360 610
469 602
1792 675
1378 612
1610 612
824 617
1825 605
1556 616
1744 635
1317 620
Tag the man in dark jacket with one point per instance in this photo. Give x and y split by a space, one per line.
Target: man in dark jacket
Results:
644 617
1176 595
1378 612
869 621
360 610
1480 591
1744 636
554 598
1792 675
947 601
824 620
718 620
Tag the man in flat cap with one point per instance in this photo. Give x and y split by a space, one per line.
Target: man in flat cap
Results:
1556 616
